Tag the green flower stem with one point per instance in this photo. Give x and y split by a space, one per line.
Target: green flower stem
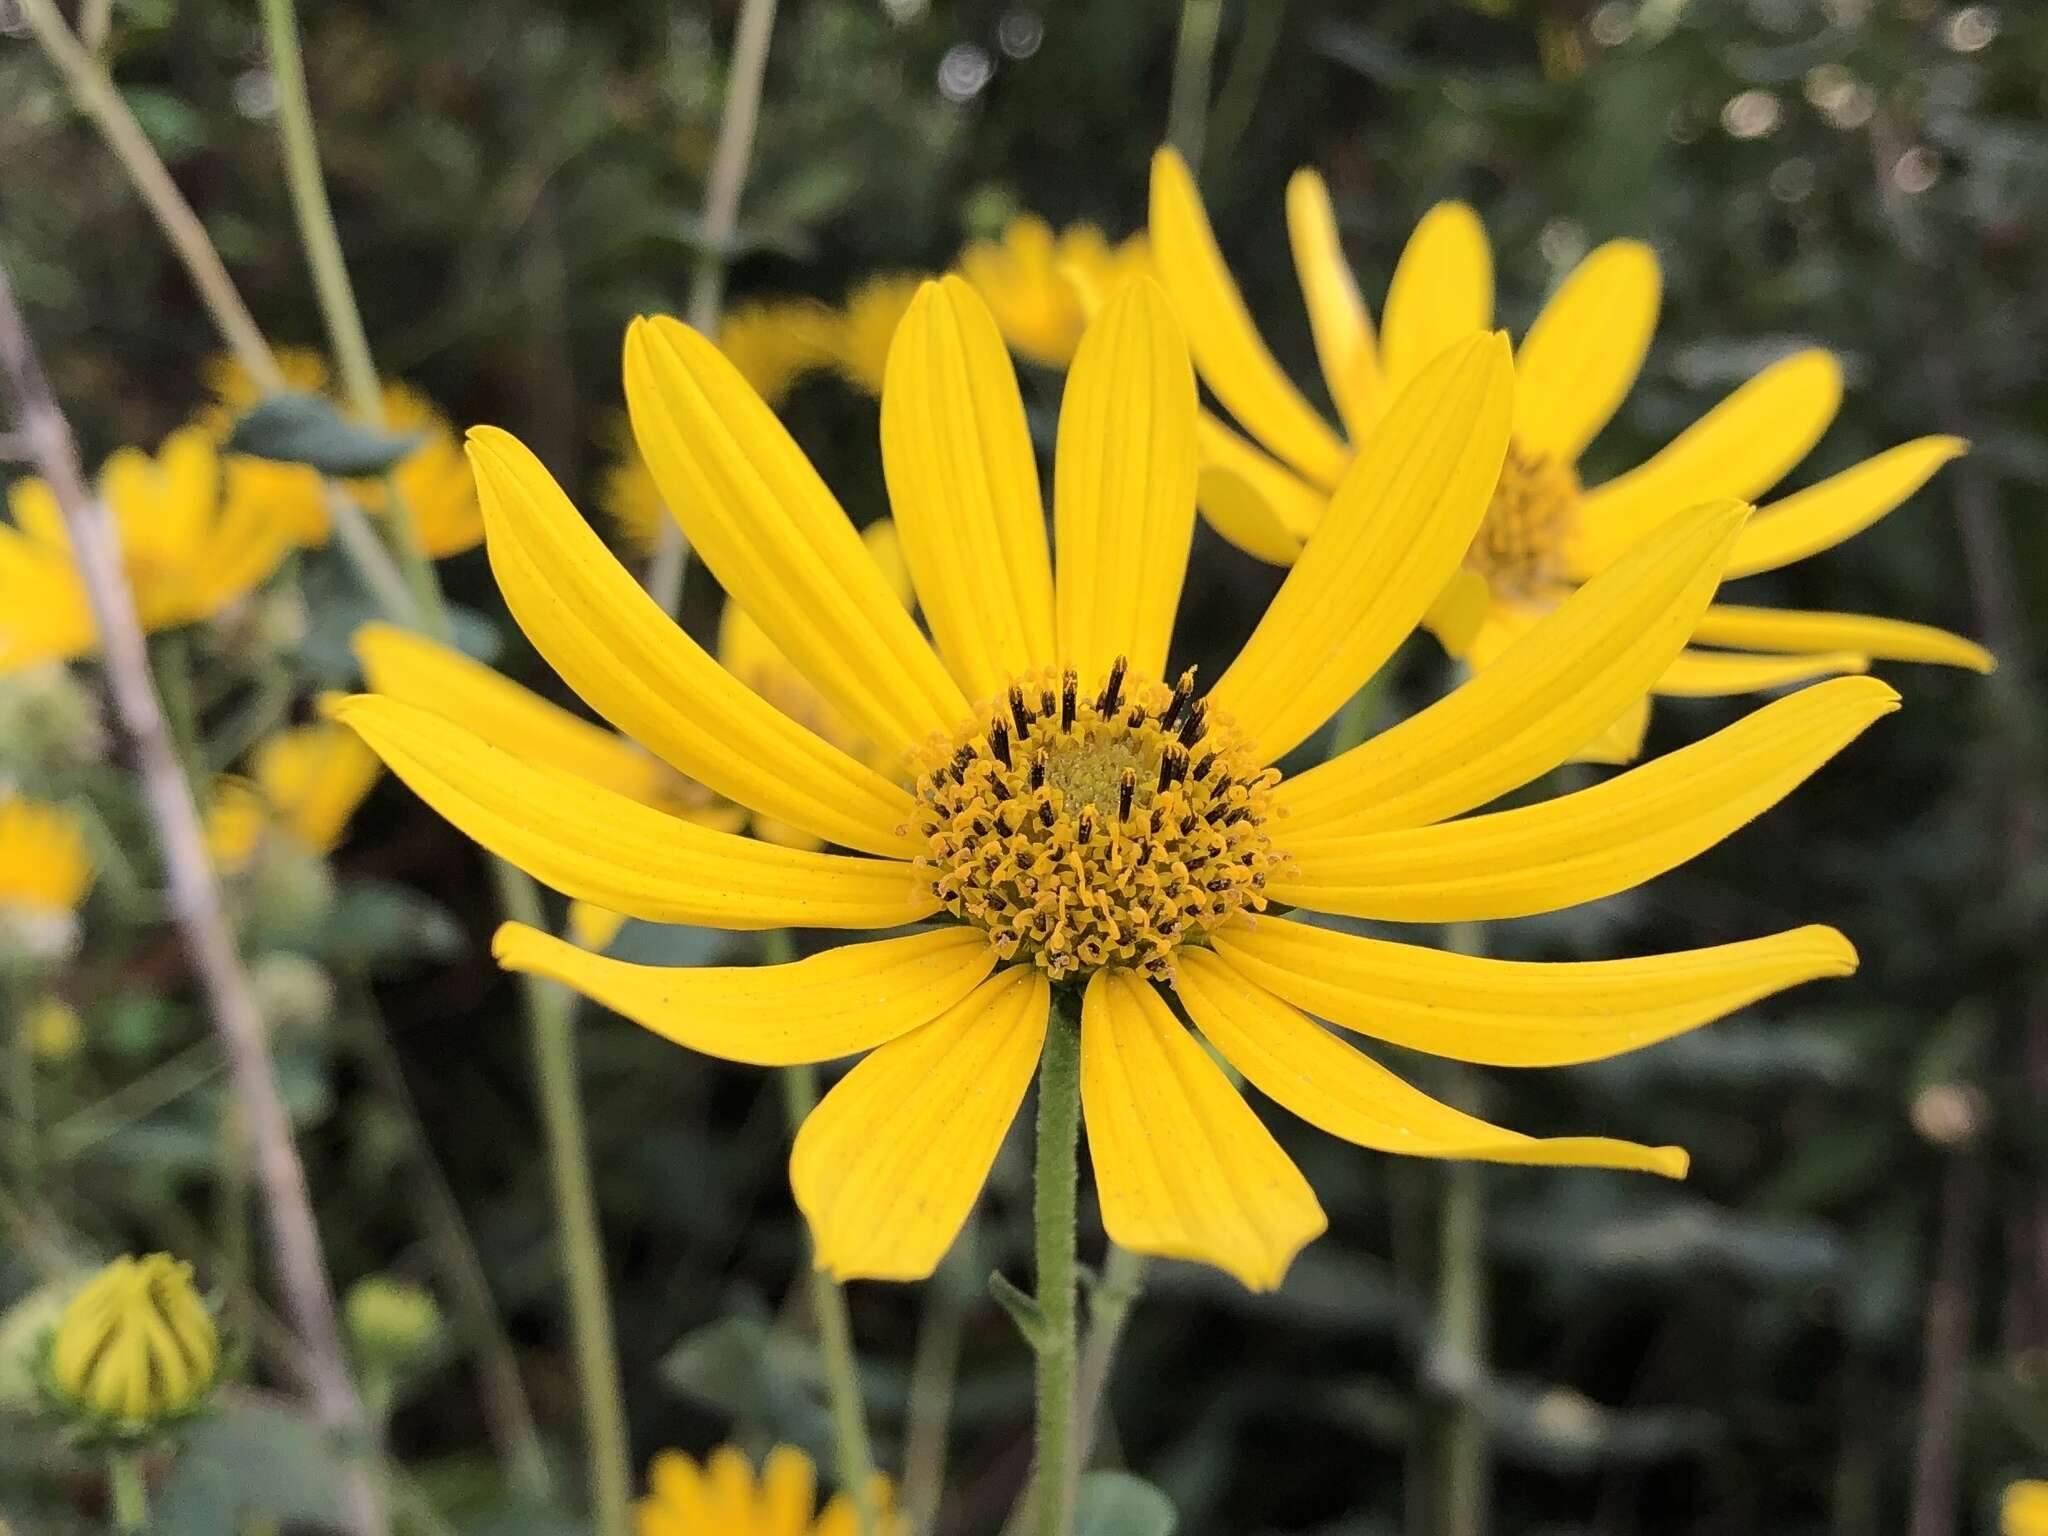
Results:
1464 1451
1059 1135
550 1011
1194 54
1109 1308
127 1494
934 1367
24 1142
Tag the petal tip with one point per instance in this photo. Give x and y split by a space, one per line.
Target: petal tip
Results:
514 945
1670 1162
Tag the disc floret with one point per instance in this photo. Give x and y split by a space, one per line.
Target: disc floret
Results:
1520 545
1088 829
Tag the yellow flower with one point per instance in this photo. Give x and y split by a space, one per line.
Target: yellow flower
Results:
305 783
391 1321
1545 532
867 324
776 342
1075 819
45 865
2023 1511
1024 278
54 1029
193 539
136 1347
234 391
723 1497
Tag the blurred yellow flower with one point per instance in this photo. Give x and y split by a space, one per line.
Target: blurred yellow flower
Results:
723 1497
867 324
136 1347
1545 532
54 1029
304 783
775 342
46 866
193 540
234 391
1027 278
627 492
2023 1511
391 1321
1074 818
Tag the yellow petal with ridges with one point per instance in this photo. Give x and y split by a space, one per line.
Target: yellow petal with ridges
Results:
964 487
1595 842
1225 342
1441 292
1823 515
1718 674
597 846
1396 531
1288 507
1621 742
1741 448
1582 354
776 539
1549 693
1183 1167
634 665
1799 632
836 1003
1337 317
1521 1013
1306 1070
889 1164
1124 486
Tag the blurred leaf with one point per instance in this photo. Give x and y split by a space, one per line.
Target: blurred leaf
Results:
1118 1504
306 429
378 926
171 123
250 1460
742 1367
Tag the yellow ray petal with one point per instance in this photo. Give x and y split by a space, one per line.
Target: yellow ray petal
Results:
1799 632
612 643
44 612
1521 1013
1823 515
1582 354
1716 674
964 487
1183 1167
888 1165
1345 344
597 846
1226 345
314 777
1593 843
775 538
1621 742
1550 692
1441 292
1257 503
1305 1069
836 1003
1741 448
1458 618
1124 485
1395 533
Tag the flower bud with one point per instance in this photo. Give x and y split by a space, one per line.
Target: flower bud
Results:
136 1348
391 1322
54 1029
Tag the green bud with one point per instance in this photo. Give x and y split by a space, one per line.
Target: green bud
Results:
135 1349
391 1322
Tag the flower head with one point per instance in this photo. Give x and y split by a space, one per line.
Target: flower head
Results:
1545 531
136 1348
1080 815
304 784
391 1322
724 1497
54 1029
46 866
196 533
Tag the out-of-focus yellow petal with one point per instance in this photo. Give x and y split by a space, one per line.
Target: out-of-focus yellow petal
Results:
1740 449
1801 633
836 1003
1124 486
888 1165
1183 1167
1225 343
1583 352
1337 316
964 488
314 777
1548 694
46 865
1823 515
1441 292
594 845
1258 504
1305 1069
1458 616
612 643
1595 842
1521 1013
867 323
1717 674
1621 742
1396 529
777 540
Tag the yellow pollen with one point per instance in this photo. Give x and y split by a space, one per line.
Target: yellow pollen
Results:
1092 829
1520 545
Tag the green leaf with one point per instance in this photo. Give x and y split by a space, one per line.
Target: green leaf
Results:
741 1367
1024 1309
378 926
1118 1504
305 429
250 1460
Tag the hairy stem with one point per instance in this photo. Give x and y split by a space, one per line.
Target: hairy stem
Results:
1056 1462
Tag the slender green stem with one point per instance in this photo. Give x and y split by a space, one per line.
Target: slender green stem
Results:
550 1010
1194 53
127 1493
24 1142
934 1366
1239 95
172 657
231 1211
1058 1173
1465 1457
1109 1308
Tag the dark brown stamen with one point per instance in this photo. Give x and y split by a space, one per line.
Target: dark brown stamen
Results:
1113 689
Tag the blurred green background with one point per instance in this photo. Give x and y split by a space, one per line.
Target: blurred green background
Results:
1839 1324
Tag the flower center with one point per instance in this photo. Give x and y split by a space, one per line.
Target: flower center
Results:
1520 545
1094 830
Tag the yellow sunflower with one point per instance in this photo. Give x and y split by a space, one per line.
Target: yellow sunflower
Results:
193 539
723 1497
46 865
1545 532
1028 276
1076 821
304 784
